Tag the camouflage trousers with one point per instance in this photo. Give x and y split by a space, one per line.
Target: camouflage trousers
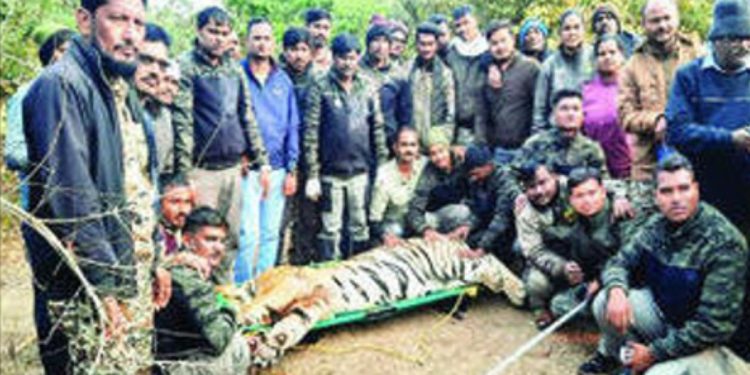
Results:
561 298
234 360
89 351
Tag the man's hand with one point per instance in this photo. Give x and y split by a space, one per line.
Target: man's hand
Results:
592 288
573 273
661 128
741 138
480 173
188 259
432 235
461 233
115 319
290 184
459 152
619 311
162 288
313 190
391 240
265 181
642 357
622 209
520 203
495 77
472 254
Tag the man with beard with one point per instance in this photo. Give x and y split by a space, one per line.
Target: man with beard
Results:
431 86
275 108
566 69
394 189
709 121
504 110
76 118
177 201
319 23
444 39
399 41
564 144
153 62
672 298
463 58
343 134
606 21
532 39
217 140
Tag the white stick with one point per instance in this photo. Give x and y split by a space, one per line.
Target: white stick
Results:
502 366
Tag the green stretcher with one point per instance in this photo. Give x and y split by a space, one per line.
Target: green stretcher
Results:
378 312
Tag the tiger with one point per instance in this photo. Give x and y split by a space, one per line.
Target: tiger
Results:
290 300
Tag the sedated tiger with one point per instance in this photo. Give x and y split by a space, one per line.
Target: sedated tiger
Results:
291 299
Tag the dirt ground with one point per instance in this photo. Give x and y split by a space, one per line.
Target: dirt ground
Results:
424 341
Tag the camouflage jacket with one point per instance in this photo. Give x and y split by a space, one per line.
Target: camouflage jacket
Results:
193 325
433 97
213 115
343 129
565 155
696 272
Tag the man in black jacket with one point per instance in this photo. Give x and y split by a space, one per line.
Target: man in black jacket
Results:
75 145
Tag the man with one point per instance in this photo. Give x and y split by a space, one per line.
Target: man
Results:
195 334
504 111
644 84
216 135
444 39
177 201
234 50
388 78
297 62
606 21
566 232
564 144
676 292
532 39
275 108
394 188
150 77
74 120
399 41
343 134
319 23
431 86
709 121
463 58
567 69
170 84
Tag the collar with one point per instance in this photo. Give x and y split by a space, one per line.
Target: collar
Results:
245 63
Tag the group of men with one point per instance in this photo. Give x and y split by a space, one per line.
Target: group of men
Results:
343 146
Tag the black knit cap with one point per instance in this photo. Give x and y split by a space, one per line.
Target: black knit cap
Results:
429 28
376 31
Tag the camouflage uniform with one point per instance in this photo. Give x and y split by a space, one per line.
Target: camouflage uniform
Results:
343 136
391 196
195 334
433 96
565 155
692 277
392 87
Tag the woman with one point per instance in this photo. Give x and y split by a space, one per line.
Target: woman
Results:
600 106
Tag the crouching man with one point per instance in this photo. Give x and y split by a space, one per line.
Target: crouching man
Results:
194 334
672 297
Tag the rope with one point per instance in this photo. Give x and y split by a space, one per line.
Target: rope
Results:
502 366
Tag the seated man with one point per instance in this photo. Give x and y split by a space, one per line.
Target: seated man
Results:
177 200
193 333
674 292
566 233
394 189
459 200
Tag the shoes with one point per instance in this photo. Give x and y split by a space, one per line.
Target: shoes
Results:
599 364
543 319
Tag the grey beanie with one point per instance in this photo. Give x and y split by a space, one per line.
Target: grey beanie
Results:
731 18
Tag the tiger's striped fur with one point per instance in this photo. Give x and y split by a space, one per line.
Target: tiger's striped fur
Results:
292 299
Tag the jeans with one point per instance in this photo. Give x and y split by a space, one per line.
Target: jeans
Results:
260 226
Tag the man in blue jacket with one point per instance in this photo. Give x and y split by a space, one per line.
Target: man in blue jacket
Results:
275 108
74 119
